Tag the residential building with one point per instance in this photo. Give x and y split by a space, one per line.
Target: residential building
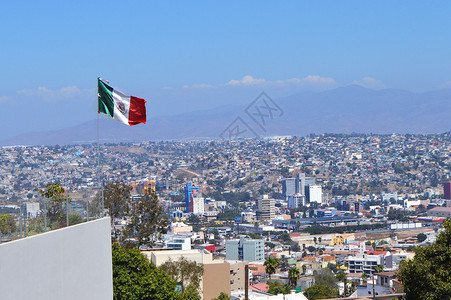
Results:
392 261
248 217
216 276
296 201
161 256
216 279
447 190
265 208
179 243
197 205
387 197
180 227
245 249
238 275
32 209
444 212
190 192
365 264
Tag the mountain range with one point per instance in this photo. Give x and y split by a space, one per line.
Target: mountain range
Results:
350 109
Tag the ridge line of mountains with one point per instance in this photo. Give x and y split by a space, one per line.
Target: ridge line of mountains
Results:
347 109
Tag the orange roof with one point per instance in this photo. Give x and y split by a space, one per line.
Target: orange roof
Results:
309 258
328 258
262 287
371 252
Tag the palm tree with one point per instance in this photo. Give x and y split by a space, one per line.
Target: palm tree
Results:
293 276
378 268
271 265
342 277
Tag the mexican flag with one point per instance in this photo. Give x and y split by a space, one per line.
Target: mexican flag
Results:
126 109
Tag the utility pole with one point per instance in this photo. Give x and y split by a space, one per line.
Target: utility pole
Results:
20 219
246 282
374 294
45 214
67 209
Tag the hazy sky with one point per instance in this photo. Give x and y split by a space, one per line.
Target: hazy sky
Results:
186 55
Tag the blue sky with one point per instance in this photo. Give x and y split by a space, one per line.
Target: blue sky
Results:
186 55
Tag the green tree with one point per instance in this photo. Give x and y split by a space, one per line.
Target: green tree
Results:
271 265
55 213
304 268
7 224
427 275
223 296
293 276
187 273
326 277
148 221
320 291
421 237
134 277
190 294
75 219
341 276
116 197
332 267
275 288
36 225
379 268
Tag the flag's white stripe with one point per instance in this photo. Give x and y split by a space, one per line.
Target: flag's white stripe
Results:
121 115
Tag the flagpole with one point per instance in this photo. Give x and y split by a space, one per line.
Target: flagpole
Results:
98 155
100 190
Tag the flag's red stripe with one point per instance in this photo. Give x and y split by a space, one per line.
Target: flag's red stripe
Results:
137 112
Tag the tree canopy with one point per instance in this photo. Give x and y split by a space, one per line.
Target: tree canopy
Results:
427 275
421 237
275 288
7 224
222 296
320 291
147 220
134 277
271 265
56 194
188 273
293 276
116 199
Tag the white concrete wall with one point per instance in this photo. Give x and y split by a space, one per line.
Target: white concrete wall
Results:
69 263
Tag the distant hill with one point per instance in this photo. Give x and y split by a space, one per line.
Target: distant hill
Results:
342 110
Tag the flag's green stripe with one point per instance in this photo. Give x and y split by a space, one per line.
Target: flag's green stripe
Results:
106 102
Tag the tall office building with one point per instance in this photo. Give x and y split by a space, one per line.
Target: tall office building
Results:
296 201
310 181
266 208
288 187
314 194
300 183
447 190
245 249
197 205
190 192
293 186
